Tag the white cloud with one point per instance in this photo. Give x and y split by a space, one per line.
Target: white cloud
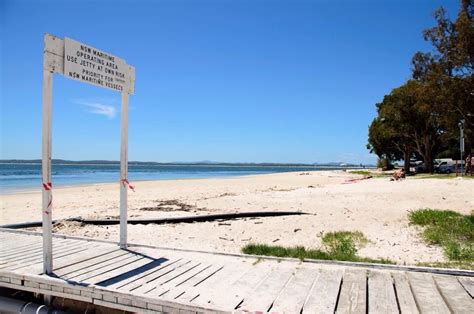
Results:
99 108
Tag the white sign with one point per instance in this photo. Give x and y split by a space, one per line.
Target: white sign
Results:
90 65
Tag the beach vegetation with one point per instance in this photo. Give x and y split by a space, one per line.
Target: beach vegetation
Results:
453 231
369 173
441 176
419 119
450 264
340 246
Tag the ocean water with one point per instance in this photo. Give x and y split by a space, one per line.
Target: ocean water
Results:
19 176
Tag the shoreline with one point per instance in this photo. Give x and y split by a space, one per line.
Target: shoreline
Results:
12 191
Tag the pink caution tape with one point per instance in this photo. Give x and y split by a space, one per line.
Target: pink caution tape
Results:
48 186
126 182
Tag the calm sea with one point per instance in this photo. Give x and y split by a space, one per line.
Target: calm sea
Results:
14 177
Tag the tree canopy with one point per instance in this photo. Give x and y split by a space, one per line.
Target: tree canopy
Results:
420 118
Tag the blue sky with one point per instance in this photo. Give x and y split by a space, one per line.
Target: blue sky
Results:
235 81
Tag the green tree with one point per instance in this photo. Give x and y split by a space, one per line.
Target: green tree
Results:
382 141
446 73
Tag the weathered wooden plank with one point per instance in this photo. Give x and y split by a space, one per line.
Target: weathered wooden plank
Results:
58 247
468 284
211 290
243 287
165 287
154 275
6 238
406 300
457 299
149 287
295 293
64 260
31 250
382 297
84 275
21 261
17 247
13 244
136 264
194 281
92 264
92 257
268 291
40 260
426 294
121 282
353 294
26 247
323 295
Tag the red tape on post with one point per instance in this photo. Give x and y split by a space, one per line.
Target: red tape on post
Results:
48 186
126 182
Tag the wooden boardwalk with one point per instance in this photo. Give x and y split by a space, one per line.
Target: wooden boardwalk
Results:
145 280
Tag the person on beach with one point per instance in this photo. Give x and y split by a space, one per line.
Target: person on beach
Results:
398 175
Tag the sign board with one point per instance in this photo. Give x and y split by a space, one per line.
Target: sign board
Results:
84 63
90 65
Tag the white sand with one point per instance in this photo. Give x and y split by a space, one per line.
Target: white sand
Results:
377 207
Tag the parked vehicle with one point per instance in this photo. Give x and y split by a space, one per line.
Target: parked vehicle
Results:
445 168
417 166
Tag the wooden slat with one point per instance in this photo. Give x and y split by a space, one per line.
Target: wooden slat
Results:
268 291
149 287
295 293
25 247
426 294
111 265
244 286
20 262
468 284
211 290
115 272
151 276
15 248
165 287
323 295
95 258
381 293
352 298
57 256
93 264
34 250
406 300
71 259
123 283
457 299
194 281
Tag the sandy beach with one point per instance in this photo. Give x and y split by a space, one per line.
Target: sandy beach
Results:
377 207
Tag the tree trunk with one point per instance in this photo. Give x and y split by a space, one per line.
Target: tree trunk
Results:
427 156
406 159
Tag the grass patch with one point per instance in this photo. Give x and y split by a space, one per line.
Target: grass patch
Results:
341 246
369 173
344 243
456 264
453 231
441 176
361 172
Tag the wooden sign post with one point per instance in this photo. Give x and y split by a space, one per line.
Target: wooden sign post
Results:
84 63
